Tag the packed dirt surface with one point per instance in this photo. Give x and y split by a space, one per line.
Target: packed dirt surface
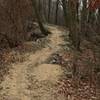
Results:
34 79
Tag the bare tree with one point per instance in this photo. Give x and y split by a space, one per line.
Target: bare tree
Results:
42 28
71 21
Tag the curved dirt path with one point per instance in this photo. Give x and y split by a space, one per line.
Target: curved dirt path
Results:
34 79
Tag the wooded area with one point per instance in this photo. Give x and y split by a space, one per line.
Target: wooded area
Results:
26 27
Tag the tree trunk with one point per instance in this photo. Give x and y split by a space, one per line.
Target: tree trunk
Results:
98 24
65 12
71 21
84 18
49 10
56 16
42 28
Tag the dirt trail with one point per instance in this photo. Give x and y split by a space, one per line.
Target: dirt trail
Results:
34 79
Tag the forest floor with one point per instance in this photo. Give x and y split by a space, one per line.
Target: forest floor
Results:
34 79
40 77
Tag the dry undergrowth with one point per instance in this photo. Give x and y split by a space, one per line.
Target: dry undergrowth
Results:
18 54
